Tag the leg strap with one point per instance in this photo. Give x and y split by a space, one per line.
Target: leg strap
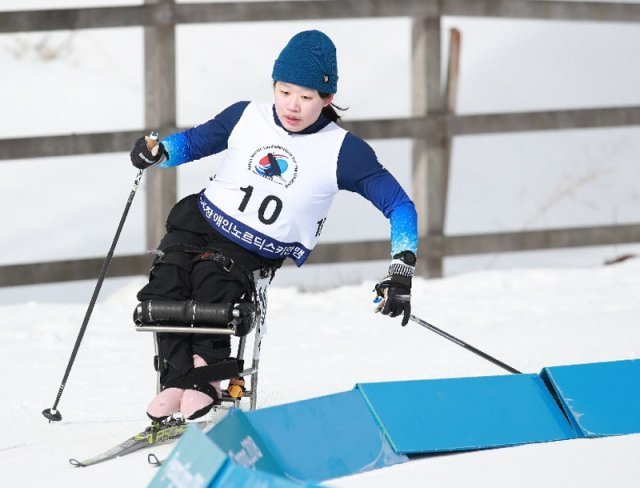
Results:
229 265
199 378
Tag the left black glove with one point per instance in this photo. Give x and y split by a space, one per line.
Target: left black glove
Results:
147 152
394 291
395 297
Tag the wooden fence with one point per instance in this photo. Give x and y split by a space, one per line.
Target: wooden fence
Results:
432 125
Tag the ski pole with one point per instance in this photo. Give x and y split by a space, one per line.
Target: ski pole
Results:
52 413
457 341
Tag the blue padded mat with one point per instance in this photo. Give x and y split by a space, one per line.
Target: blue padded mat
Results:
601 398
426 416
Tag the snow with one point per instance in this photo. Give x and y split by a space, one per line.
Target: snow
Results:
321 343
529 310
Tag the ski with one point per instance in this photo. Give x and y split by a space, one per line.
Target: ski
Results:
154 435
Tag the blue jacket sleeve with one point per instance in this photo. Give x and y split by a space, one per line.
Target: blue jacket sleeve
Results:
204 140
359 171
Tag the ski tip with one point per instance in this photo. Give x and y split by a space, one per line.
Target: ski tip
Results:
76 463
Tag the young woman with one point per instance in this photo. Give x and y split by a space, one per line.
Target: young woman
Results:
269 200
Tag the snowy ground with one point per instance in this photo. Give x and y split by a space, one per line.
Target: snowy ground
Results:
320 343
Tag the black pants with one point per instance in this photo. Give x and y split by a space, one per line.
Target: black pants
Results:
181 275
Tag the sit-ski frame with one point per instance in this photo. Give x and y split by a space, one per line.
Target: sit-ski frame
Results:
260 301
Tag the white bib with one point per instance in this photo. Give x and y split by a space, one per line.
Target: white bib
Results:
274 189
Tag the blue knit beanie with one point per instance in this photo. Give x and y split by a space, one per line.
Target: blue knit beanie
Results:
309 60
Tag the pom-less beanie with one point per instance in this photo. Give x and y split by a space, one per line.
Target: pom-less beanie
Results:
309 60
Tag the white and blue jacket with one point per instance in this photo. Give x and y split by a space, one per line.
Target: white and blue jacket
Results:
274 188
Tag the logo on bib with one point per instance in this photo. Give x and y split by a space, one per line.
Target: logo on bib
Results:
274 163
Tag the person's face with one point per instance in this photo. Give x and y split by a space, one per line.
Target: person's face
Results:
298 107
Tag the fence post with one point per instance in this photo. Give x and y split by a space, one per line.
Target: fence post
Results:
160 113
419 108
430 164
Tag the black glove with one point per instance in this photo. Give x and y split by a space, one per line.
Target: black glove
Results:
147 152
394 291
395 297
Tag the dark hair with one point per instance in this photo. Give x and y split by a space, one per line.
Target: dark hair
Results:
330 111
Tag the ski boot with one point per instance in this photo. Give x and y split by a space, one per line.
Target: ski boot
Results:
195 403
165 404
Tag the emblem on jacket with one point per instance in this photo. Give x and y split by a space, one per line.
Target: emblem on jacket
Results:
275 163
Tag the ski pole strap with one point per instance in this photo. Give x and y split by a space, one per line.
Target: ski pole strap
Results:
457 341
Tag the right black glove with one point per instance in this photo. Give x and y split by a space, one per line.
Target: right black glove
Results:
147 152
